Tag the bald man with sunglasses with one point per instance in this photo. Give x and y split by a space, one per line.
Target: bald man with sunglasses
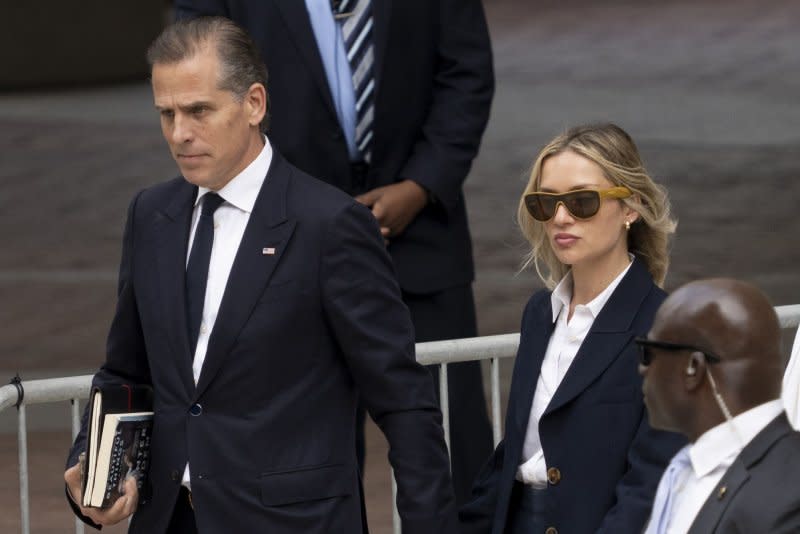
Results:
712 369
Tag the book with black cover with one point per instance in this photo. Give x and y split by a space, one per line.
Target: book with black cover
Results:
118 441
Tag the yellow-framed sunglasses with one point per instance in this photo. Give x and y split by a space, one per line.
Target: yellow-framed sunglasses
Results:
581 203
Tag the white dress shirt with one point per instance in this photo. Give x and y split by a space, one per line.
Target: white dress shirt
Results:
791 384
711 456
565 341
230 221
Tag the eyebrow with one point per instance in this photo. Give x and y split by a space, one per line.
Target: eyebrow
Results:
187 107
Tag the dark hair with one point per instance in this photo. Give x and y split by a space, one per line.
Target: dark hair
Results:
240 63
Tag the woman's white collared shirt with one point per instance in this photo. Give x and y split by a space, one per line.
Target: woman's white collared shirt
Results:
567 337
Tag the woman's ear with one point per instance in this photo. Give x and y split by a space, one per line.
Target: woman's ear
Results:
631 215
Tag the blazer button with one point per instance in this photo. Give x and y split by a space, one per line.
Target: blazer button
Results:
196 409
175 475
553 475
551 530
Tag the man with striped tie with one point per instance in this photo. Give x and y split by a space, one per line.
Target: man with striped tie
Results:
388 100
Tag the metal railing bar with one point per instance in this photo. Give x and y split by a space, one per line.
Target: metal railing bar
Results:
396 526
497 431
444 403
76 427
467 349
22 444
48 390
789 315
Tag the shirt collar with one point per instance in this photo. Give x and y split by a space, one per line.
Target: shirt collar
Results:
243 189
562 294
720 445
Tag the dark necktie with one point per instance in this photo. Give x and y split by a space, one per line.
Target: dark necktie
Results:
197 269
355 17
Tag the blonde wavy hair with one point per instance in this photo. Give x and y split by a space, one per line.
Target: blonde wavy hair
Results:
613 150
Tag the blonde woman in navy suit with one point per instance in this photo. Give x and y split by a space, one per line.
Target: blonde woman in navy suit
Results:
579 455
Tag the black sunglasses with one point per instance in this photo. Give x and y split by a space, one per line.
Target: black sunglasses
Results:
646 355
581 203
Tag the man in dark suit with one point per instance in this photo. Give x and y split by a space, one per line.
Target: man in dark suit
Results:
259 303
712 369
424 91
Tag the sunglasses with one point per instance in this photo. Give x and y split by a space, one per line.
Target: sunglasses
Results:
646 353
581 203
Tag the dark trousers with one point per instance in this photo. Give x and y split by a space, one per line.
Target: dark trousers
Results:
526 510
450 314
182 521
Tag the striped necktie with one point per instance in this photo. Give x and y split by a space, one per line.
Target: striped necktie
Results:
355 16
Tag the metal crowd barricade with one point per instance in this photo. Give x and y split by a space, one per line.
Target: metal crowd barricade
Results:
442 353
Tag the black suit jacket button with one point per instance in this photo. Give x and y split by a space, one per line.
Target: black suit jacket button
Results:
553 475
175 475
196 409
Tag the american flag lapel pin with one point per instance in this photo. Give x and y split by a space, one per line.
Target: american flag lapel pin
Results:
268 251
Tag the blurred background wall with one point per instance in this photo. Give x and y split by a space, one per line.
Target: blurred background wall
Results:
57 43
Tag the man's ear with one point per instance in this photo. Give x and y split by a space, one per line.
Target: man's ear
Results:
695 371
255 101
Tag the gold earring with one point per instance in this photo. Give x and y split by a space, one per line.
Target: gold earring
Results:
627 225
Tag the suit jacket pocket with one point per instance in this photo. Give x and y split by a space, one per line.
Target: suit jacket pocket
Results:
307 484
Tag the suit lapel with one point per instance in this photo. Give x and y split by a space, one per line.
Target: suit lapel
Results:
296 19
538 328
268 227
737 475
609 335
381 15
172 229
709 515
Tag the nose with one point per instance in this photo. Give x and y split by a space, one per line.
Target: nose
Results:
642 370
562 214
181 129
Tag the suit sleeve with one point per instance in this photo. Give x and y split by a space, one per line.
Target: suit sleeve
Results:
462 96
126 361
477 515
189 9
373 328
650 452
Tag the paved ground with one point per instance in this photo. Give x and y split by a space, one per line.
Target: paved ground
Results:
708 89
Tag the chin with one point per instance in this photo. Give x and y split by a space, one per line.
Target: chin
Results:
567 257
195 178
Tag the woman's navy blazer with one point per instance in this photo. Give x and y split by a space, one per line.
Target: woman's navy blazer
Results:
595 430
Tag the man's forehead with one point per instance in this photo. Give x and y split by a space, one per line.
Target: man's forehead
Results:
191 79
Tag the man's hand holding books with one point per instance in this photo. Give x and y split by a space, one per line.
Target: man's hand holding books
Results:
122 508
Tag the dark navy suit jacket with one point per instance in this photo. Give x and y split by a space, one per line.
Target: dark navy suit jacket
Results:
595 429
297 332
434 87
